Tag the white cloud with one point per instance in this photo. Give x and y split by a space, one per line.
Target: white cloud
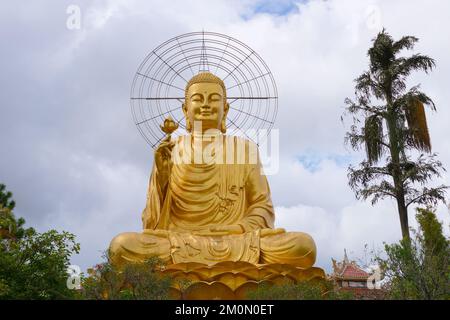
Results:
124 195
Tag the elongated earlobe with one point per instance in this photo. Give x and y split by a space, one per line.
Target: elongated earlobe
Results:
223 126
188 125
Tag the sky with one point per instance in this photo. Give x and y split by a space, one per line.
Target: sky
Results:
75 161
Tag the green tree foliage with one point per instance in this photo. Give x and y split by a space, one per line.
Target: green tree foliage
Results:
135 281
32 265
6 200
419 269
304 290
10 227
389 122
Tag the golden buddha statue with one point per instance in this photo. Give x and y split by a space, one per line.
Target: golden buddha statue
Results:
210 211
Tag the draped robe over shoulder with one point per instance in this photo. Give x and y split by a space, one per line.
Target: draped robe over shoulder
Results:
231 191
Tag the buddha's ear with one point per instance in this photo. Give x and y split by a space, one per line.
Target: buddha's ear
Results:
225 109
223 125
188 123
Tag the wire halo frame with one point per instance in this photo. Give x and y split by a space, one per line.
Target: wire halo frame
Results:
159 85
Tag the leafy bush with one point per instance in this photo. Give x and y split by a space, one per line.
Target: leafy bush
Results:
419 269
306 290
32 265
136 281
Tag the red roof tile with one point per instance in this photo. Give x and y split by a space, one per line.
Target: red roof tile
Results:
353 272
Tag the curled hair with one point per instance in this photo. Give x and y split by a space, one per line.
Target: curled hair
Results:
205 77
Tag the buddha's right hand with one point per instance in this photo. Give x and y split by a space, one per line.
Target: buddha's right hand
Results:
163 160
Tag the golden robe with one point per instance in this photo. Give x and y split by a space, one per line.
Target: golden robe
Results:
176 222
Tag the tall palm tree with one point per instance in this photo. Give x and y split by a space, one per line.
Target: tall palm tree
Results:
390 122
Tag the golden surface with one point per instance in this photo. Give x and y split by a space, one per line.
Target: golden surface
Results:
211 207
232 280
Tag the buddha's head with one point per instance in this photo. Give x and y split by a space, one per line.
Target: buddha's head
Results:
206 101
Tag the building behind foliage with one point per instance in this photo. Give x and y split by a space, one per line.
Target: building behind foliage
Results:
349 276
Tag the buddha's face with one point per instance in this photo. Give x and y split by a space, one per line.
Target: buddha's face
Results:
206 103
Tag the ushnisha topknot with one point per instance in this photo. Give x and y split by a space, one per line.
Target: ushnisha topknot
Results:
206 77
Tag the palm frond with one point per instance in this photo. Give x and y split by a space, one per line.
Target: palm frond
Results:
367 86
406 42
373 137
381 54
417 123
426 196
415 62
365 175
414 93
422 170
378 192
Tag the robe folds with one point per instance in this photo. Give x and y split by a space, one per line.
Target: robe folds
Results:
226 187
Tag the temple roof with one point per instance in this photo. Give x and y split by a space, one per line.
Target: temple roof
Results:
348 270
351 271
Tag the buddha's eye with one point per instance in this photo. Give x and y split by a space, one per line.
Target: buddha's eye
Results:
215 98
196 98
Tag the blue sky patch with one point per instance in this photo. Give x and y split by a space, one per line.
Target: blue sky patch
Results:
279 8
311 161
